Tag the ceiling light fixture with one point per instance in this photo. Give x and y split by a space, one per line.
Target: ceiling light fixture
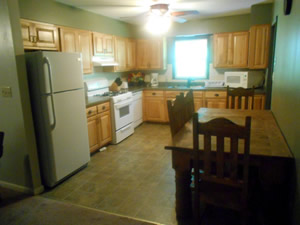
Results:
158 24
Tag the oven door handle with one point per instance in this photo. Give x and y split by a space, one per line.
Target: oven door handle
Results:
121 105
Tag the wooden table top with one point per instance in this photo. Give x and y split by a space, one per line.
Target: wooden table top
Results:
266 138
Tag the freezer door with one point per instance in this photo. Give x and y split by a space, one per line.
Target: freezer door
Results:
67 136
62 70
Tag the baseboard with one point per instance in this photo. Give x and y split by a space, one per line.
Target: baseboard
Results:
22 189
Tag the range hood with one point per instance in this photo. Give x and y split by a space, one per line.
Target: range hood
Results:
104 61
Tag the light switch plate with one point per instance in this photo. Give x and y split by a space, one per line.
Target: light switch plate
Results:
6 92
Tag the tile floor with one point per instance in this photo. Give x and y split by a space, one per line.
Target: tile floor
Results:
133 178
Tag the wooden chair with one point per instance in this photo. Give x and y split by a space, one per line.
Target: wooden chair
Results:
223 179
180 111
237 96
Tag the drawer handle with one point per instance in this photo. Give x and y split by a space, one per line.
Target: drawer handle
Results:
103 107
90 112
153 93
217 95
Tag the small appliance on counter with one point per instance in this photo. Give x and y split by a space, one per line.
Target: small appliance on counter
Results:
244 79
214 83
154 79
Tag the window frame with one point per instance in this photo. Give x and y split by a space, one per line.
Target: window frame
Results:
208 57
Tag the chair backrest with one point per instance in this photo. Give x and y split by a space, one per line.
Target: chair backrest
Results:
1 143
180 111
226 165
240 98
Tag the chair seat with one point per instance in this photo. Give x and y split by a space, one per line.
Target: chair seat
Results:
221 195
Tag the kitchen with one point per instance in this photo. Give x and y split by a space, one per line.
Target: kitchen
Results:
71 17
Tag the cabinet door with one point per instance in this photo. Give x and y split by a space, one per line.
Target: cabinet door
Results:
68 40
27 33
105 127
120 55
131 54
198 103
46 36
155 109
221 50
143 54
85 47
259 46
259 102
93 133
240 43
215 103
108 41
98 40
155 51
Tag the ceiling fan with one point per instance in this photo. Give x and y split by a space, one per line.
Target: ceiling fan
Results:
162 9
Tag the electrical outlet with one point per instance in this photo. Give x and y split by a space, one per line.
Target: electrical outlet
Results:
6 92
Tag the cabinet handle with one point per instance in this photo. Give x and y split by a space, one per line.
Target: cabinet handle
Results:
103 107
90 112
217 95
153 93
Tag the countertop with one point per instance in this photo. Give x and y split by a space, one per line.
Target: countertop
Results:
91 101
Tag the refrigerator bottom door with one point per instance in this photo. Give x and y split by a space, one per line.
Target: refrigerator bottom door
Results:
68 139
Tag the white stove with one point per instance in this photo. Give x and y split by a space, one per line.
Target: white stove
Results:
121 108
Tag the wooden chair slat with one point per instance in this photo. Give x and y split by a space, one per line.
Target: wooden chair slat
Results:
207 150
234 155
220 156
238 94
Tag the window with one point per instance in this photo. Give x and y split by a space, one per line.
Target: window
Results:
191 58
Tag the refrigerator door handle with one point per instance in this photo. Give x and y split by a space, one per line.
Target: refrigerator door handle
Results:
46 61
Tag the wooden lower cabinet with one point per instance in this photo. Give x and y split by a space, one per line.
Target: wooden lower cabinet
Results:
259 102
198 100
215 99
154 109
99 126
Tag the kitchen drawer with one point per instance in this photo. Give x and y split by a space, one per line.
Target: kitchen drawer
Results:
91 111
173 94
215 94
103 107
153 93
198 94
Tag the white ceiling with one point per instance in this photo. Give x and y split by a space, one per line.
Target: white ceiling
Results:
126 8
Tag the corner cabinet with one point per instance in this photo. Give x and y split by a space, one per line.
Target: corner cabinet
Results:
99 126
73 40
231 50
259 46
39 36
151 54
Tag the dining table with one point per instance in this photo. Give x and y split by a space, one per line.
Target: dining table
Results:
269 155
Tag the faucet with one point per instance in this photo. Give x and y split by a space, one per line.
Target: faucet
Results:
189 81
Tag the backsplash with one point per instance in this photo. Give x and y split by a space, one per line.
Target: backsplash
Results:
110 76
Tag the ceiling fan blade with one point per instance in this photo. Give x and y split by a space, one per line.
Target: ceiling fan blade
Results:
185 13
178 19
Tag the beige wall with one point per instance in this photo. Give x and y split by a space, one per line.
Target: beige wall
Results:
19 165
286 84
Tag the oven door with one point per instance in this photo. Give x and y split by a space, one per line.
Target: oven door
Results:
123 113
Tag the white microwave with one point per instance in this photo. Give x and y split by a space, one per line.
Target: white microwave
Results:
244 79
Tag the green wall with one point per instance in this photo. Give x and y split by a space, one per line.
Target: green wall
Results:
286 84
261 14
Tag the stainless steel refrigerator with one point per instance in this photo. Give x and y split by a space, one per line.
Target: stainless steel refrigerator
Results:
58 104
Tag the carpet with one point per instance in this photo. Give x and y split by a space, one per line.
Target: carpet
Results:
38 210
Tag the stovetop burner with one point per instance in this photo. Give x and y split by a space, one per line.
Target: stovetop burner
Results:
111 93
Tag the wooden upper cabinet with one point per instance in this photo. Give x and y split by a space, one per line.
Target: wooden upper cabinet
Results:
73 40
221 50
259 46
39 35
150 54
231 50
85 47
240 46
131 54
103 44
68 40
143 54
120 53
